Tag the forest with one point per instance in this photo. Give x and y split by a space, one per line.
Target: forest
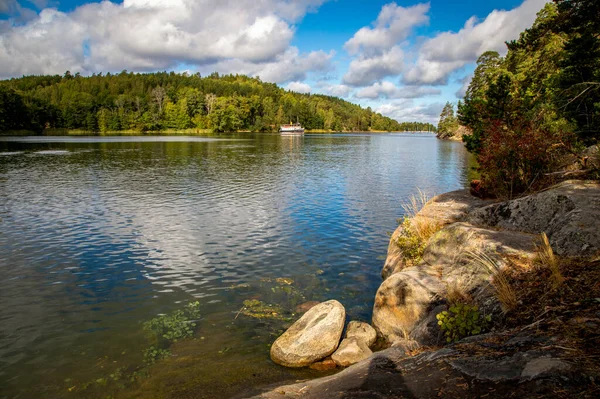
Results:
152 102
530 109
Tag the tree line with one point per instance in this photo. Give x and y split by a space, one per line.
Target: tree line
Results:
157 101
541 101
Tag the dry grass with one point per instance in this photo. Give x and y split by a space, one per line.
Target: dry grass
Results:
423 227
545 259
503 288
456 292
415 203
417 229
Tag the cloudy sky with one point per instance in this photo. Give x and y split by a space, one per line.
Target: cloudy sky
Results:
404 59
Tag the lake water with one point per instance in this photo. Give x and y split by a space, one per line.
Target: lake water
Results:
100 234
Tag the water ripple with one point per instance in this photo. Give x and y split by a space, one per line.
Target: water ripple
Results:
121 229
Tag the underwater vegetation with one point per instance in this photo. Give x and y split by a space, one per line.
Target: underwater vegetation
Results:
174 326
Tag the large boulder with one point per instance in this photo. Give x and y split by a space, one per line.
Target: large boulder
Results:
442 209
351 351
361 331
314 336
408 301
402 301
450 253
569 213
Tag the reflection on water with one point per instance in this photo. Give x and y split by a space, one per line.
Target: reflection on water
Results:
98 235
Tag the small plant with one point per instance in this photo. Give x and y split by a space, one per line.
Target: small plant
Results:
546 259
175 326
416 229
462 320
154 354
410 244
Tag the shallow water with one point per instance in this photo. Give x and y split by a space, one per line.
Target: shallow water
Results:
98 235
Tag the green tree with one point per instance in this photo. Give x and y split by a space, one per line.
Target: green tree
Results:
448 122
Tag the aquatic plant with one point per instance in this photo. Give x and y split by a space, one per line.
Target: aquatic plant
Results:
153 354
462 320
260 310
177 325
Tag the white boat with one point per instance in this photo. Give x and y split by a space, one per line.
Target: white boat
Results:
292 128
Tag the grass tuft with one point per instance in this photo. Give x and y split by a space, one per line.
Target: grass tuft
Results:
456 292
417 229
545 259
503 289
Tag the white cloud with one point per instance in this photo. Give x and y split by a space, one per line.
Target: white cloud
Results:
299 87
377 50
449 51
366 70
390 90
392 26
288 66
408 111
334 89
160 34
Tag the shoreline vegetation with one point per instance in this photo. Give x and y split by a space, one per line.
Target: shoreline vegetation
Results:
160 102
171 132
526 112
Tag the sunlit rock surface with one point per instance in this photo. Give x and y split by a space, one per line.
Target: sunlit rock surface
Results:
314 336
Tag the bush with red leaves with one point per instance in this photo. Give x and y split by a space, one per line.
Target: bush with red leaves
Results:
513 158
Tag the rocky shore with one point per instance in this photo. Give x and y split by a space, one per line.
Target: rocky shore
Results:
494 351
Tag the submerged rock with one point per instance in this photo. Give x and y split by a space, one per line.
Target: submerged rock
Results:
306 306
314 336
260 310
361 331
351 351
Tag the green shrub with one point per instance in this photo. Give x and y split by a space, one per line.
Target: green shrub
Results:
462 320
411 245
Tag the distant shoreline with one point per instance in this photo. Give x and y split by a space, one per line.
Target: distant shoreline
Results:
168 132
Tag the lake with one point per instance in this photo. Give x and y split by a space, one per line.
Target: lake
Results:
99 235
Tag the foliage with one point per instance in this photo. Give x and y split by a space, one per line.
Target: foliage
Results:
416 230
158 101
531 107
177 325
514 158
448 122
579 77
410 244
462 320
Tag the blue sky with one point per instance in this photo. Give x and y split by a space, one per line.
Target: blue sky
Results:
404 59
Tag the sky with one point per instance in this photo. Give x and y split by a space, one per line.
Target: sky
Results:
404 59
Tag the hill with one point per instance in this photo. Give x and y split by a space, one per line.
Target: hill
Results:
159 101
